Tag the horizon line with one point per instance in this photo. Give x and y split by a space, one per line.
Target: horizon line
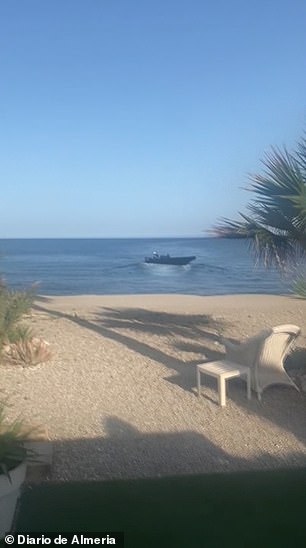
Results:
101 237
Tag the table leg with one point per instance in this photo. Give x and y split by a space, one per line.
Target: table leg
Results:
199 381
222 391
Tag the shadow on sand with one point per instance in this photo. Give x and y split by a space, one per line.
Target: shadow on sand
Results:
155 491
282 406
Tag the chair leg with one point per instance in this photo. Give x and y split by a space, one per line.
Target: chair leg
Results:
249 384
257 385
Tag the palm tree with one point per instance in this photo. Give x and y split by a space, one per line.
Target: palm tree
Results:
275 222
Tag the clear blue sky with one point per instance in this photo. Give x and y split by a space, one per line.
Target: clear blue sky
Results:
137 118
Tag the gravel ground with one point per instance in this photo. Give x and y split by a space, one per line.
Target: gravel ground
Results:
118 397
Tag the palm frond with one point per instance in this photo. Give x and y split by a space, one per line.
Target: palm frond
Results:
281 177
273 250
270 217
275 222
299 287
299 201
233 229
301 155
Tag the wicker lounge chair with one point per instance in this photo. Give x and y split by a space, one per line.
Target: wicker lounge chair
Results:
265 355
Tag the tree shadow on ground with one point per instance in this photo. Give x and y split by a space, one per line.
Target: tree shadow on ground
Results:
192 326
197 334
42 299
200 331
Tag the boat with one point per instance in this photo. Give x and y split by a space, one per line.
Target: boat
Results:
167 259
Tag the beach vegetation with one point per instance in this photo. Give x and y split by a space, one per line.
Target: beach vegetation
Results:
21 332
299 287
275 218
13 438
13 306
17 342
15 453
28 351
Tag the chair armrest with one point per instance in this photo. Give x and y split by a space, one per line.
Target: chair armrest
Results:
245 353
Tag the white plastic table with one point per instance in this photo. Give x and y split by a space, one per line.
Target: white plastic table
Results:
223 370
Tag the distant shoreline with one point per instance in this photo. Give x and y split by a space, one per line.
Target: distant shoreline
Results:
180 303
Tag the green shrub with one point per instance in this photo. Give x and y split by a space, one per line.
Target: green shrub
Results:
12 443
299 287
13 305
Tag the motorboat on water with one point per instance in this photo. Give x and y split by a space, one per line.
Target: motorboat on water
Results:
167 259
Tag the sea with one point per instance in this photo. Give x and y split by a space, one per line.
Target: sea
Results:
116 266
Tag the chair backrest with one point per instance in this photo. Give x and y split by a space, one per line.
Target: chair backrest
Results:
273 351
277 344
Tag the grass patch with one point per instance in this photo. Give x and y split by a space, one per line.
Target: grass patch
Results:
221 510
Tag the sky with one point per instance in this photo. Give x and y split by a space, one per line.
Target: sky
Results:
140 119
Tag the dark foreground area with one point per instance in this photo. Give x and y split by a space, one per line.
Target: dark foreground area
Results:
241 510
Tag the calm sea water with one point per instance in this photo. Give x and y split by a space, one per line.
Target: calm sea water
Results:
116 266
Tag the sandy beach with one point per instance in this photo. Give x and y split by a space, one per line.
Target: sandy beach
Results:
119 400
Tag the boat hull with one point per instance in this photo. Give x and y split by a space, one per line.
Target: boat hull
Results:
165 259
